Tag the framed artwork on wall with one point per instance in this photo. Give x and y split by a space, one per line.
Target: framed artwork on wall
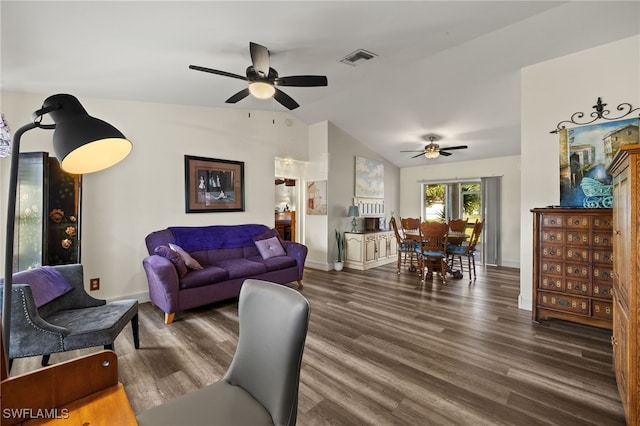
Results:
317 198
585 154
213 185
369 178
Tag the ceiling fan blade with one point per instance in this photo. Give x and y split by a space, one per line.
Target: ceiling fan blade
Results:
285 99
238 96
422 150
416 156
445 153
449 148
302 81
260 59
223 73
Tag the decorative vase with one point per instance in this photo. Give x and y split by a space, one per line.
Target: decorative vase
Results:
338 266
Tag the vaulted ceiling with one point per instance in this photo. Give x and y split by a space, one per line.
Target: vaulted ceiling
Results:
449 68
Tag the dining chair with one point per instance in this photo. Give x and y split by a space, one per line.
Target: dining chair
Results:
458 225
433 250
261 385
467 250
406 246
410 224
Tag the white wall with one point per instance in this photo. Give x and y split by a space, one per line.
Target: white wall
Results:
551 92
145 192
507 167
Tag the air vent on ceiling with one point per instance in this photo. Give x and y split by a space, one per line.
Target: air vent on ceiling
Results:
357 57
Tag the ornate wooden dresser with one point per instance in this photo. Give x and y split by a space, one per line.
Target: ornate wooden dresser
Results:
573 265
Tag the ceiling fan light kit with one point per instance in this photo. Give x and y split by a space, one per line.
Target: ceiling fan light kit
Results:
433 150
263 79
261 90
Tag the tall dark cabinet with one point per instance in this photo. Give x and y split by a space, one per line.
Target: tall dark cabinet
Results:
625 169
47 213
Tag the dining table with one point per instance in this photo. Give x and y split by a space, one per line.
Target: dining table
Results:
453 237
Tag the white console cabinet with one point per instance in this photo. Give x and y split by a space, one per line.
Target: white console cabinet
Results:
365 250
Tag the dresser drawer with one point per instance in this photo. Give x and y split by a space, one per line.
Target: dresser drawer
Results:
578 270
549 282
553 220
602 309
577 238
578 221
553 236
565 303
579 287
602 223
602 290
602 255
548 266
602 239
552 251
602 274
578 254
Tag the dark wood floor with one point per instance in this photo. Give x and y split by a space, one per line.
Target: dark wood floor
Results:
384 350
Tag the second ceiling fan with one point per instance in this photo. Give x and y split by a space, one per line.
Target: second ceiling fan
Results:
433 150
263 79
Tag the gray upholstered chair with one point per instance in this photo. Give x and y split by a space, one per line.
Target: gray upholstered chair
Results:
73 320
261 385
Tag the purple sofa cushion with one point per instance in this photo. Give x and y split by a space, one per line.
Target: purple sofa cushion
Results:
270 247
174 257
206 276
275 263
46 283
239 268
192 238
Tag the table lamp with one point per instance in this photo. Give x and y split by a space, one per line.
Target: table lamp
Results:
353 213
82 144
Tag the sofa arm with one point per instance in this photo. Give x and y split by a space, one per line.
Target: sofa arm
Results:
30 334
299 253
163 282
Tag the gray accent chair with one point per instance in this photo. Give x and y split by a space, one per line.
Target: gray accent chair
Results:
72 321
261 385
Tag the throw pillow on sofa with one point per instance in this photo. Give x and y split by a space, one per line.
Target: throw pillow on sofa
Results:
174 257
186 257
270 234
269 248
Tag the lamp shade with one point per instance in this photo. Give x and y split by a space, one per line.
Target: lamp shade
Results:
353 211
84 144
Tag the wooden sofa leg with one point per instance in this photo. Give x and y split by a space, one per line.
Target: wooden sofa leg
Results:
299 283
168 317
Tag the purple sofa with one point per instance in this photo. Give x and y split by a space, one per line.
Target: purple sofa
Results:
228 255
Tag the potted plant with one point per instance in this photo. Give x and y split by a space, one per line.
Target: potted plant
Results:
338 265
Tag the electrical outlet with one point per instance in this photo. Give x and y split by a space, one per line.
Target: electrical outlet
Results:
94 284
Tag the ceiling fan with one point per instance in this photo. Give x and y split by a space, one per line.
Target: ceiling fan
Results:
433 150
263 79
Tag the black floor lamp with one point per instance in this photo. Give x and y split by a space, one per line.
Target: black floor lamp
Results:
82 144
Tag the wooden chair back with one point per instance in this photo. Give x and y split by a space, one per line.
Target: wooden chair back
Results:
458 225
394 225
410 224
475 236
434 236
